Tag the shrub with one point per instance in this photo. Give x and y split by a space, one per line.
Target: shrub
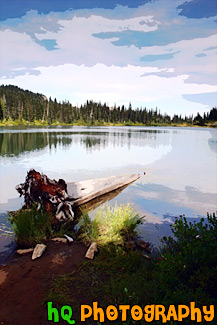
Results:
187 268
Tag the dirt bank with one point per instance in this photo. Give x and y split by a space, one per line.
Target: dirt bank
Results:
24 283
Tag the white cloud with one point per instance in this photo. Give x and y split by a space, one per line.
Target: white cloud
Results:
85 67
94 24
18 50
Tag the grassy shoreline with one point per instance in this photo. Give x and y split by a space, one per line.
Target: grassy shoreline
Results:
183 271
16 123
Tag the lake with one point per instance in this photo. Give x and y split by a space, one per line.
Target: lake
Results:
179 164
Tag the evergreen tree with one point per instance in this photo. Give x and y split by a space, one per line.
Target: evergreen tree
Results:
19 104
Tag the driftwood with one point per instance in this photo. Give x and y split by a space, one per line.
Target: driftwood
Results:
59 240
69 239
84 191
146 256
60 198
39 190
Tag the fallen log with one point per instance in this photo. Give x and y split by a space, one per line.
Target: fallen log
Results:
59 240
84 191
59 198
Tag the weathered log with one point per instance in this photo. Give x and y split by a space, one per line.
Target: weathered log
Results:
59 198
146 256
84 191
39 190
59 240
69 239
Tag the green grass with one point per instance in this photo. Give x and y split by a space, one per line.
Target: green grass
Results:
183 272
22 122
187 270
112 224
60 290
114 277
31 227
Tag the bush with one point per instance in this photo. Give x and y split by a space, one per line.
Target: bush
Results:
187 268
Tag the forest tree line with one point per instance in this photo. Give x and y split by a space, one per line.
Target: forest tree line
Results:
19 104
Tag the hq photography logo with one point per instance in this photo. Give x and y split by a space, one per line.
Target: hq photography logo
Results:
149 313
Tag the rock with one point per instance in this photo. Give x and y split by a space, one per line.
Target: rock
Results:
91 251
69 239
38 251
24 251
59 240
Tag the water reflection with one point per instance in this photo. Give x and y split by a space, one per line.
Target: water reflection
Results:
16 143
180 165
95 203
13 144
213 144
91 142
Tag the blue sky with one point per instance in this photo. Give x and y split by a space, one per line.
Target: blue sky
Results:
160 53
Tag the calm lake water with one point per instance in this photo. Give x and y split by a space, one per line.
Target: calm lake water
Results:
179 165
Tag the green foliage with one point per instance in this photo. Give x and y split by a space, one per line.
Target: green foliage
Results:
31 227
111 224
187 269
23 107
60 291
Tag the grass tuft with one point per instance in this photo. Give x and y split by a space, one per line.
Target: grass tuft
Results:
31 227
112 224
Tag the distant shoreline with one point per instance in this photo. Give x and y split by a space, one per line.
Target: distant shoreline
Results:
16 123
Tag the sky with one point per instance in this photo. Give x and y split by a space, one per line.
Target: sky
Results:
150 53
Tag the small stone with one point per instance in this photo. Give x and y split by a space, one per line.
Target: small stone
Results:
91 251
69 239
59 240
24 251
38 251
